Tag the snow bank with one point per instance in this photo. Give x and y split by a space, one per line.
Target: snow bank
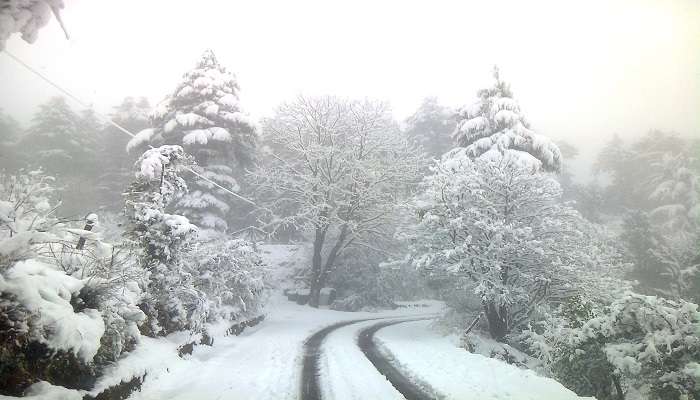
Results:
151 357
461 375
261 363
46 391
46 293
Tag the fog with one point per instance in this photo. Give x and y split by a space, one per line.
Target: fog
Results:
350 200
581 71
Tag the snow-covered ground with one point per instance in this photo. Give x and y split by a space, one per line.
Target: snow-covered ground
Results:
457 374
346 372
262 363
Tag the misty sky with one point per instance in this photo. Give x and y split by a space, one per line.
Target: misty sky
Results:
581 70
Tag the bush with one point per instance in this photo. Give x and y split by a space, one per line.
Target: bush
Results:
64 312
642 342
232 276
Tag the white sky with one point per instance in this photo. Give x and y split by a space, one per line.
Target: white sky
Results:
582 70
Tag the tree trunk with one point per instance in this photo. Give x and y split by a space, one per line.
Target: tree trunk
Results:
320 274
498 320
618 387
316 267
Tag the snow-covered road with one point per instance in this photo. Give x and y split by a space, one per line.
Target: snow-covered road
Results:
344 370
427 356
410 387
265 362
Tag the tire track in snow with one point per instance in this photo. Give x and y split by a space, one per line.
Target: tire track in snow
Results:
407 387
310 384
311 362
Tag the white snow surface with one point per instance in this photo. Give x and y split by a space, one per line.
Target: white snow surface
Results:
46 391
46 293
262 363
457 374
347 373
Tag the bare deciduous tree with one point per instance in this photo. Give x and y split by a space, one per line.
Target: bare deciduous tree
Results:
338 170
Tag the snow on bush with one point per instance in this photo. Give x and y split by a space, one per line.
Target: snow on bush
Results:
46 294
645 343
27 215
232 275
80 304
44 390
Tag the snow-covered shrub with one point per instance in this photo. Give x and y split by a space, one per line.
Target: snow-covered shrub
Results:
171 301
583 369
353 302
113 286
643 342
64 312
360 284
666 264
232 275
46 293
27 215
652 341
43 336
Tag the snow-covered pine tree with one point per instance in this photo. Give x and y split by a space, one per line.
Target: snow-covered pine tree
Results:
133 114
495 125
203 115
431 127
171 302
9 133
65 144
56 140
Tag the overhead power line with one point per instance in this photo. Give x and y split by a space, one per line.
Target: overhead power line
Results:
111 121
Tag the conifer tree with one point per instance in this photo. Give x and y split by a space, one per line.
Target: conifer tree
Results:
57 141
64 143
204 116
431 126
117 164
9 133
495 125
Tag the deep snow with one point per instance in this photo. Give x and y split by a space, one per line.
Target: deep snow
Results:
458 374
262 363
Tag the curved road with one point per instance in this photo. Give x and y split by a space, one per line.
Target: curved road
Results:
310 385
406 386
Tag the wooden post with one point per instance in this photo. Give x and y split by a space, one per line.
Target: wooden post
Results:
90 222
471 326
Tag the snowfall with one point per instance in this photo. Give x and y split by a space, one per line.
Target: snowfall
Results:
264 361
